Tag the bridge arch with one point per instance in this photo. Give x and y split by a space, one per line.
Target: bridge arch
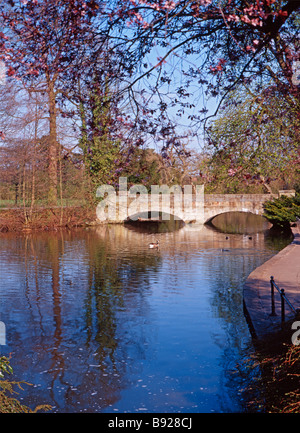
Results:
239 223
212 217
217 204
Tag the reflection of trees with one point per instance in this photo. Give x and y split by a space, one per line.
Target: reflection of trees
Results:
115 283
54 252
80 319
81 291
229 271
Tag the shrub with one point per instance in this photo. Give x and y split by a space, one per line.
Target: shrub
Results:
283 210
9 404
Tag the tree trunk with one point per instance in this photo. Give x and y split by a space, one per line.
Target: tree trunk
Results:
265 184
24 193
53 148
34 159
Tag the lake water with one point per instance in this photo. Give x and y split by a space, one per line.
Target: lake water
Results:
98 322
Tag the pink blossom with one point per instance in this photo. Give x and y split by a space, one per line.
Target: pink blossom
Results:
231 172
246 19
233 18
169 5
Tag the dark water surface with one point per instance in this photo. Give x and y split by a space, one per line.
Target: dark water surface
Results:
98 322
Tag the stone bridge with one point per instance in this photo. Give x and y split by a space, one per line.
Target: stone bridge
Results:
216 204
200 207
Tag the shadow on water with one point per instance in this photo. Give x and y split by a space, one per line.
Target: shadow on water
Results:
155 222
248 224
240 223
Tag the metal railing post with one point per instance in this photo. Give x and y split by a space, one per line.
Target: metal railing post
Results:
272 297
284 300
282 306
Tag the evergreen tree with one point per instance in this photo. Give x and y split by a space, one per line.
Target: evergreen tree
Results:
283 210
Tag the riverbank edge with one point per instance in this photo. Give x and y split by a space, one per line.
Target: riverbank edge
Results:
257 290
47 219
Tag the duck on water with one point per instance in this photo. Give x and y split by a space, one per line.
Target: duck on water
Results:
154 245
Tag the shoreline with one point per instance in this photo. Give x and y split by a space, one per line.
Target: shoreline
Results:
285 268
45 219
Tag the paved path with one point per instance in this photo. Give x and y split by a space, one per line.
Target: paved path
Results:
285 268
